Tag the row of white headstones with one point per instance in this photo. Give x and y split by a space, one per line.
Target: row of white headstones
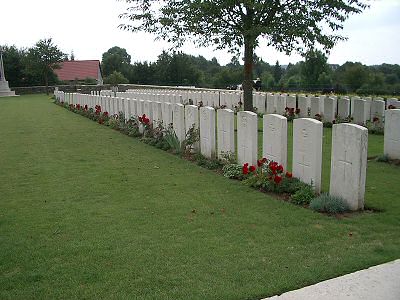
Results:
217 136
328 107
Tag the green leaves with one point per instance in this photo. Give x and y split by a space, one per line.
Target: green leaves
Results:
287 25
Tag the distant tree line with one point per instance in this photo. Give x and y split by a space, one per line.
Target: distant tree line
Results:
313 74
34 66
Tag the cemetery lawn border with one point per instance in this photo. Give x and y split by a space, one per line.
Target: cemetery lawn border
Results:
86 212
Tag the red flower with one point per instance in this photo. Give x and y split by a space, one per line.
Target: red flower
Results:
259 163
289 175
86 107
245 169
252 168
101 121
277 179
279 168
105 113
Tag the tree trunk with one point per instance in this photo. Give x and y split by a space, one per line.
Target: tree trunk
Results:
248 74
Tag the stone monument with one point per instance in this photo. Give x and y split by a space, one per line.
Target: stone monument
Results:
4 88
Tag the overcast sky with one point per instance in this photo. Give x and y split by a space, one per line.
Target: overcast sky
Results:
89 28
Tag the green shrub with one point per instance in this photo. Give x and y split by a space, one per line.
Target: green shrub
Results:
228 157
290 185
232 171
113 122
172 140
207 163
191 138
329 204
376 126
303 196
382 158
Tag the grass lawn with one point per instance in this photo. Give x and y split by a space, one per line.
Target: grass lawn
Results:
86 212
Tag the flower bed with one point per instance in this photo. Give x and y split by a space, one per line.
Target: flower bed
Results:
267 176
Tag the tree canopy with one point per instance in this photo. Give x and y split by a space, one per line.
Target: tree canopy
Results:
287 25
43 58
115 59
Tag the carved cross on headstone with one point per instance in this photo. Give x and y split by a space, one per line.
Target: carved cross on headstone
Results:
344 163
303 163
270 146
224 134
244 146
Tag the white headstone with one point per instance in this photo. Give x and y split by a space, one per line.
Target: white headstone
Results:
134 107
291 101
349 163
315 107
128 103
359 112
124 104
259 102
321 104
179 121
225 131
352 103
148 109
167 114
303 106
192 118
281 104
271 103
307 151
275 139
377 109
393 102
367 111
392 133
247 137
329 109
140 107
157 112
207 131
344 108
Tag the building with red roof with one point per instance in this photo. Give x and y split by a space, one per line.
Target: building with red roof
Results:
79 71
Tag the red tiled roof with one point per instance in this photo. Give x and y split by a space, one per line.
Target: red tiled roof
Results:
78 69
